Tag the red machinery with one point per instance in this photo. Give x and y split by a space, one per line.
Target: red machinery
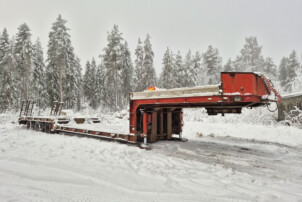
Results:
157 114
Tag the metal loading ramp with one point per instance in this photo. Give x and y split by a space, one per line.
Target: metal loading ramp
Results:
178 92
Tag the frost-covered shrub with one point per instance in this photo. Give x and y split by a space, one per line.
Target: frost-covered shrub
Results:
294 117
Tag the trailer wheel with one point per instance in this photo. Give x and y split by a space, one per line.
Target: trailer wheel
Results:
28 124
42 126
47 127
37 126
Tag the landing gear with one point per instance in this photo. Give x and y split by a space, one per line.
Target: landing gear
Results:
145 145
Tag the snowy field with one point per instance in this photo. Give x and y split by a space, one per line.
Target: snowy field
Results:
251 158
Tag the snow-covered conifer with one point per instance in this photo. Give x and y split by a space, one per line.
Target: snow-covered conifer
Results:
269 68
211 66
86 81
179 70
150 76
196 69
229 66
251 57
111 60
139 72
23 52
187 68
126 74
292 69
167 79
92 85
62 76
38 83
8 96
282 74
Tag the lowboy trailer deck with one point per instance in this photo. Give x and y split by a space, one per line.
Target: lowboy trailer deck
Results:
157 115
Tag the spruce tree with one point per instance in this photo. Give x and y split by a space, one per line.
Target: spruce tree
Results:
167 79
92 85
269 68
196 69
38 84
229 66
139 72
211 66
179 70
282 74
292 69
101 92
79 84
126 74
188 66
149 75
86 81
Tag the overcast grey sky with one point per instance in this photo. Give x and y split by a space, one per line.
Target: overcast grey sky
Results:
179 24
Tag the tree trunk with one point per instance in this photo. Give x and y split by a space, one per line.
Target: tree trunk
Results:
60 78
10 84
27 66
116 85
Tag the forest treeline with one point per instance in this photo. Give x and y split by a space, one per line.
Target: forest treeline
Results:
26 75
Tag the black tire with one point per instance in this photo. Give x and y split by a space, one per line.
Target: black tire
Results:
37 126
28 124
47 127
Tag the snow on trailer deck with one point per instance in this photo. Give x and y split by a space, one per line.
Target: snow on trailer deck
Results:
209 90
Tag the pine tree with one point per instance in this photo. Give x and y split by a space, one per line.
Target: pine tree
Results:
149 75
139 71
126 74
211 66
38 84
179 70
167 79
229 66
111 61
23 52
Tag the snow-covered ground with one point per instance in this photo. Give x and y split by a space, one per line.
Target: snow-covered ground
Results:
245 157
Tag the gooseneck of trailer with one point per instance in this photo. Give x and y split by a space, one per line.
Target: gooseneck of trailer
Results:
157 114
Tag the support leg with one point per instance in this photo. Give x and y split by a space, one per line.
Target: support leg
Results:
169 125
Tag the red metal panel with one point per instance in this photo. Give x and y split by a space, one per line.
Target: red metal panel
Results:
243 83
